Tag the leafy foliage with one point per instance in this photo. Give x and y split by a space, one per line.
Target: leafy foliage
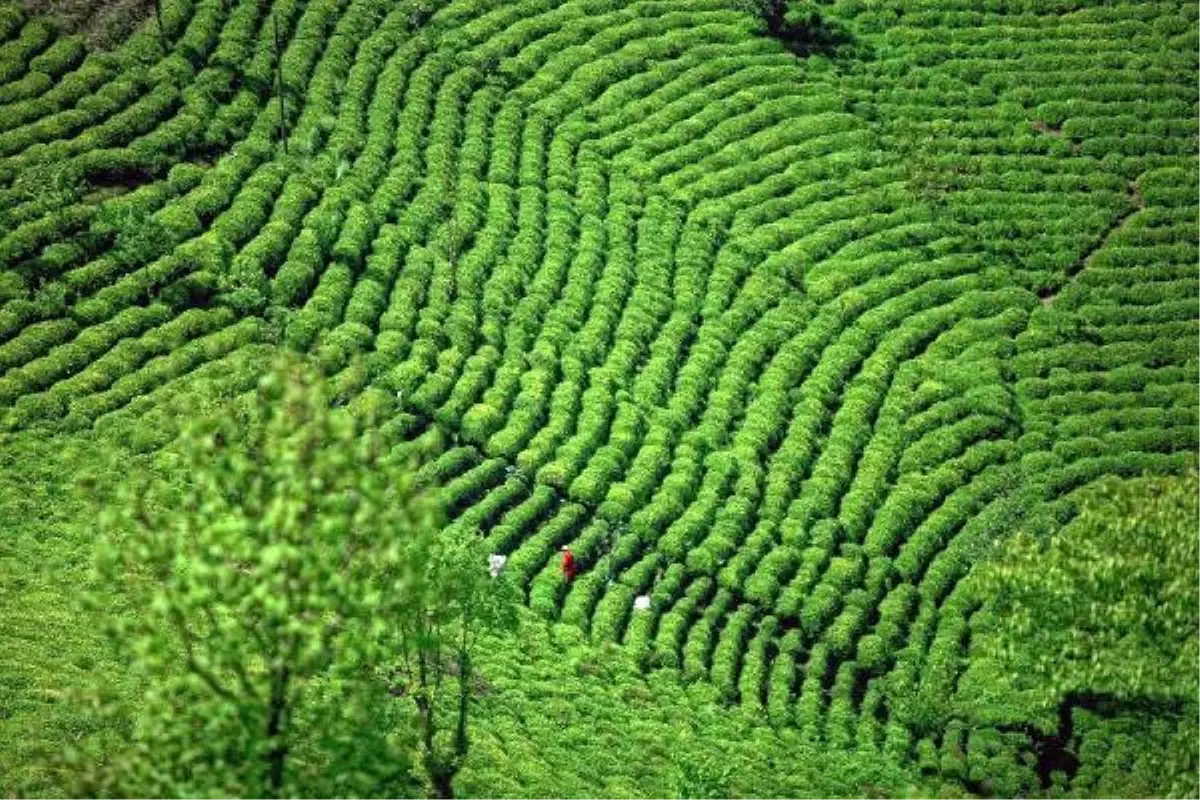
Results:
1109 605
278 564
779 344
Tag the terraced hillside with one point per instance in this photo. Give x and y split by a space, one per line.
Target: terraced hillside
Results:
784 341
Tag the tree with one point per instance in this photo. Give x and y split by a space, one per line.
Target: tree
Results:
1101 619
453 599
273 567
798 24
1110 605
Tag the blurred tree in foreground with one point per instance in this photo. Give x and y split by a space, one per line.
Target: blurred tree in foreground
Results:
277 571
1088 642
1111 604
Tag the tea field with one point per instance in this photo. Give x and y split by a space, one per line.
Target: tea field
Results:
790 328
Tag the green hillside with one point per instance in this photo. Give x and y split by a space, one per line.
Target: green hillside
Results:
791 327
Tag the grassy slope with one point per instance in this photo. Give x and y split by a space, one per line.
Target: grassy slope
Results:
560 718
569 719
565 719
48 646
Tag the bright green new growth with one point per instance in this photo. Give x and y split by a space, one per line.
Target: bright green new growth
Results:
1112 603
1087 644
777 331
278 566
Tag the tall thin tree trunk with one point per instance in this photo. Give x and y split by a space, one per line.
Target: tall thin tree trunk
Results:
776 11
442 788
438 778
461 743
276 722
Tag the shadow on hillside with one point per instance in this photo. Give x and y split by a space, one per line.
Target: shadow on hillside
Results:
1056 751
817 37
803 29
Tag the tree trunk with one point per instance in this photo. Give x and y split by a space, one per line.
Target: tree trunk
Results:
439 777
776 9
276 721
441 780
464 699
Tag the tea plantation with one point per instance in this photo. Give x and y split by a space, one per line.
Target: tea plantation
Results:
793 326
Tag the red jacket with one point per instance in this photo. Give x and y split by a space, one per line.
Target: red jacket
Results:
568 564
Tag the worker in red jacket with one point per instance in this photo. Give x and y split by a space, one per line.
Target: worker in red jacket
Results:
568 563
